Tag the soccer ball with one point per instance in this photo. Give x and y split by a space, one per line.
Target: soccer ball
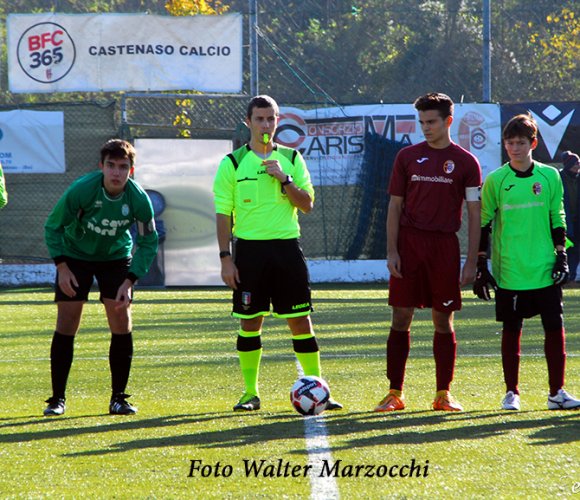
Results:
309 395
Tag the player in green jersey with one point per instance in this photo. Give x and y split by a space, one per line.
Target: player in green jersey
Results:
522 209
87 234
258 190
3 192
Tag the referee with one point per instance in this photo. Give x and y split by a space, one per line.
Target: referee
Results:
258 190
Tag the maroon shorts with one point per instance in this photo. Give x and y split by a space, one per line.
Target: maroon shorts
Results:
430 265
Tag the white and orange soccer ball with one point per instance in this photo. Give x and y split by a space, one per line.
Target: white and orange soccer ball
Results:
309 395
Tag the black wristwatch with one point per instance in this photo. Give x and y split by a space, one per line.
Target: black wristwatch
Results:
288 180
225 253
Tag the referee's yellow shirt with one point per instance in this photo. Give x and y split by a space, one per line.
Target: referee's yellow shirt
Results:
259 206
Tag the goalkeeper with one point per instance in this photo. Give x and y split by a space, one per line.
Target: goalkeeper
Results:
522 201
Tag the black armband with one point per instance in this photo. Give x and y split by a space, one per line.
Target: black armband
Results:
559 236
484 238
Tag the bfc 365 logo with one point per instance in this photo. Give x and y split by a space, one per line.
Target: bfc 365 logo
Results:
46 52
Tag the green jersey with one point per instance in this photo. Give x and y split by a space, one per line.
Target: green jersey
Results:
523 209
88 224
3 192
259 205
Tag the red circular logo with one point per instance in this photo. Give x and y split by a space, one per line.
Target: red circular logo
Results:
46 52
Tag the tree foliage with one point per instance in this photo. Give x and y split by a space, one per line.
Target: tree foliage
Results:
182 120
195 7
536 51
352 51
394 50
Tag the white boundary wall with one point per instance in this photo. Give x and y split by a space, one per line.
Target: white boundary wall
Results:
321 271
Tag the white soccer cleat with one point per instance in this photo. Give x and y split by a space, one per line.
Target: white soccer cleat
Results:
563 401
511 401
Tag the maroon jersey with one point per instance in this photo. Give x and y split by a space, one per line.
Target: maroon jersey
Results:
433 182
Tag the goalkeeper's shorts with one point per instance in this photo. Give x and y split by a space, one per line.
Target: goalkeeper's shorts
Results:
514 305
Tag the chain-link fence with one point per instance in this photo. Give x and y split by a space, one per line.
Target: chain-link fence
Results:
395 50
364 51
182 115
315 54
32 196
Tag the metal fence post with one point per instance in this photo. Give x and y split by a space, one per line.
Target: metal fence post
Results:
253 23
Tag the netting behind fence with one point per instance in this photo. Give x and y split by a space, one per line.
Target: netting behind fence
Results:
315 54
325 231
181 115
32 196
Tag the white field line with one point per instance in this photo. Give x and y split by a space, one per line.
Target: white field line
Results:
319 452
203 357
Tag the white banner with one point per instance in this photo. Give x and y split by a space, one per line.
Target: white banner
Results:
112 52
190 249
32 142
332 139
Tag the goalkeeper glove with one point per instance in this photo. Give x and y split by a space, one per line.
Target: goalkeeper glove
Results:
561 272
484 281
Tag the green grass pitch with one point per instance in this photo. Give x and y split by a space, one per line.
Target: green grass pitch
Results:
185 380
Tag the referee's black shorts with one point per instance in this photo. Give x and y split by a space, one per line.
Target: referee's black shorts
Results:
271 272
514 305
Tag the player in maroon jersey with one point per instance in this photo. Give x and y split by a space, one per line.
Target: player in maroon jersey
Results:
429 183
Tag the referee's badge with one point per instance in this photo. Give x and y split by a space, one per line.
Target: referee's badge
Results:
537 188
246 300
448 166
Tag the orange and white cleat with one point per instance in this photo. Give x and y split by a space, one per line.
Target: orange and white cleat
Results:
444 401
393 401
